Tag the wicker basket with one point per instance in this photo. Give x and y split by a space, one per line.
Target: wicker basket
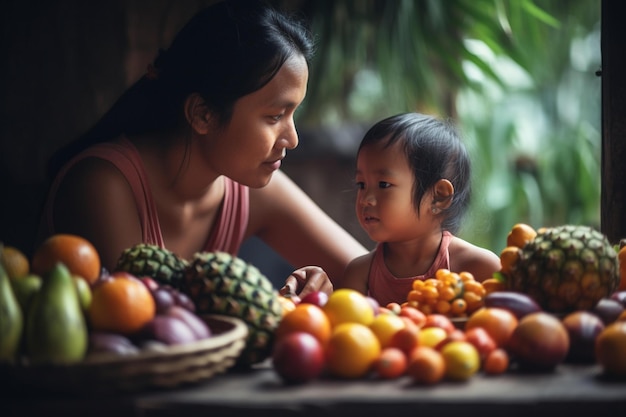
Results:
171 367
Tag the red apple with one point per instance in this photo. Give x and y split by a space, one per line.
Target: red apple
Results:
482 341
319 298
298 358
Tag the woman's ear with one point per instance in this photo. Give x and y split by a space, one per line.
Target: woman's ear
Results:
197 114
443 193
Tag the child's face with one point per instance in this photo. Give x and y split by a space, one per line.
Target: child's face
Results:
384 203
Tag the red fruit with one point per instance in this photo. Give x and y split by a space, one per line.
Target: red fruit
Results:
414 314
317 298
481 340
439 320
150 283
540 341
455 335
298 357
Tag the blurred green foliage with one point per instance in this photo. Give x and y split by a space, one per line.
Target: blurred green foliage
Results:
519 77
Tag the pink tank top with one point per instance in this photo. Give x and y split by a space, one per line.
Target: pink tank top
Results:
386 288
231 222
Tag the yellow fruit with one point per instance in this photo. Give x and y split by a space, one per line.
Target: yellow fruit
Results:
431 336
352 350
348 306
462 360
385 326
14 261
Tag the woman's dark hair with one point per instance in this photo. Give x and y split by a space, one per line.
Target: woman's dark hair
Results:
434 151
226 51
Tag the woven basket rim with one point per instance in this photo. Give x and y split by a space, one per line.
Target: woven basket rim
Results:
170 367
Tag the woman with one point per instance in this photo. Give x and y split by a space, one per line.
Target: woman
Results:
188 158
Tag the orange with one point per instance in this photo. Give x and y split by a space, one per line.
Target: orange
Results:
121 304
352 350
348 306
461 359
621 257
308 318
496 362
498 322
385 326
406 339
77 253
391 363
426 365
14 261
492 285
610 349
520 234
509 258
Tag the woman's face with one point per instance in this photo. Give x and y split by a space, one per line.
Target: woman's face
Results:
384 203
250 148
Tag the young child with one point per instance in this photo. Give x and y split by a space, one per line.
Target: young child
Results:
413 188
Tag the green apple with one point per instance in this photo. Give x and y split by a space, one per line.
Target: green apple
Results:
84 292
25 289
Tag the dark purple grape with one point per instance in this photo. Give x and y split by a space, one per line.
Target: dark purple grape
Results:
163 299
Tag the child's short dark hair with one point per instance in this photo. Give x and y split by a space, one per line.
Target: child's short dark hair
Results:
435 151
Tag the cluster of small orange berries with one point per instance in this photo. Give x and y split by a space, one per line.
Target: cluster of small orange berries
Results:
449 293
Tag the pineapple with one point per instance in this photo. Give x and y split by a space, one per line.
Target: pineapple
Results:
220 283
146 260
566 268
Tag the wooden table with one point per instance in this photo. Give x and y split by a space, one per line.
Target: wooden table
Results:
569 391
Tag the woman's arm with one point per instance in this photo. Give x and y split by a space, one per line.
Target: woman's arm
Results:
289 221
95 201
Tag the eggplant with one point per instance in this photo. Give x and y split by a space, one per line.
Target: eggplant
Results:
519 304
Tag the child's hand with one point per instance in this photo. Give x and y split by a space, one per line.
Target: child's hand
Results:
305 280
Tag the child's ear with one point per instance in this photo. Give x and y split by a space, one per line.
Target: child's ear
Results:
197 114
443 192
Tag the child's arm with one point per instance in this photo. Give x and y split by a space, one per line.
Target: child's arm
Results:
466 257
357 273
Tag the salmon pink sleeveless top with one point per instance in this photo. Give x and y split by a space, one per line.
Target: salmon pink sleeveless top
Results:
387 288
231 222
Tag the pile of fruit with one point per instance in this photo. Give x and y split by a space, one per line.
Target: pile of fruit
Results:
449 293
348 336
61 307
559 297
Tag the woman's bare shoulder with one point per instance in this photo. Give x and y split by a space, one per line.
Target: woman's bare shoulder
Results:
94 200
